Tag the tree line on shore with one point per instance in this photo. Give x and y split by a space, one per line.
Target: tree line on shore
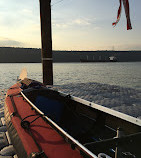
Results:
33 55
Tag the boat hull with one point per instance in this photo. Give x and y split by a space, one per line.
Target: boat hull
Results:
40 137
44 122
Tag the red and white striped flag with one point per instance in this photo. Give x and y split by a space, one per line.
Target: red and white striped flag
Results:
126 8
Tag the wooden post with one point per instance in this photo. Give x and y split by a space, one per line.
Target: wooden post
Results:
46 38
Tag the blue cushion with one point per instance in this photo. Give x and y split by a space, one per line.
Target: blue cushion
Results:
49 107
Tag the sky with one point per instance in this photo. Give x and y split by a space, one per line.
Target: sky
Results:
76 25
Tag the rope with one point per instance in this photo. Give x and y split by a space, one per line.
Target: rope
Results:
26 125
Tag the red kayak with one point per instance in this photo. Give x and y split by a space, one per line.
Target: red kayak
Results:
40 139
46 123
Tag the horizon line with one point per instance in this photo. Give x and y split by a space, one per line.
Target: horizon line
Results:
65 50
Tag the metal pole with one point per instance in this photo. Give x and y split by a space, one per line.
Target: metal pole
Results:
46 38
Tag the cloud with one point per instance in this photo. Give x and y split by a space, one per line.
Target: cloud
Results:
18 13
81 21
9 42
69 23
61 25
27 11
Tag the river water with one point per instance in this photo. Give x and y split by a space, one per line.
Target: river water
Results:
124 74
113 85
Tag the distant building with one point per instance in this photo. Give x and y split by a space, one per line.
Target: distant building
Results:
112 58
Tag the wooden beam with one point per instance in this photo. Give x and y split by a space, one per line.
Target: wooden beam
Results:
46 39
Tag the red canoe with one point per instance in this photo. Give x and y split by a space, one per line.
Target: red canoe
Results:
41 139
45 123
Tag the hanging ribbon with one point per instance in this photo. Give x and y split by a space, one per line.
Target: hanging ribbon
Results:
126 8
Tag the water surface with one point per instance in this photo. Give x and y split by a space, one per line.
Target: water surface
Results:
125 74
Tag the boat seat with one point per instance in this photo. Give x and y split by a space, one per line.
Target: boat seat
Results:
51 108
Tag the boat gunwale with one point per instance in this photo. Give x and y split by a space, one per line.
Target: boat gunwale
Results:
68 136
101 108
92 105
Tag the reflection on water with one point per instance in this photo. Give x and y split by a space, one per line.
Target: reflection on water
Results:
122 74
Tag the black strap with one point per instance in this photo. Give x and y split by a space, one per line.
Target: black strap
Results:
27 125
